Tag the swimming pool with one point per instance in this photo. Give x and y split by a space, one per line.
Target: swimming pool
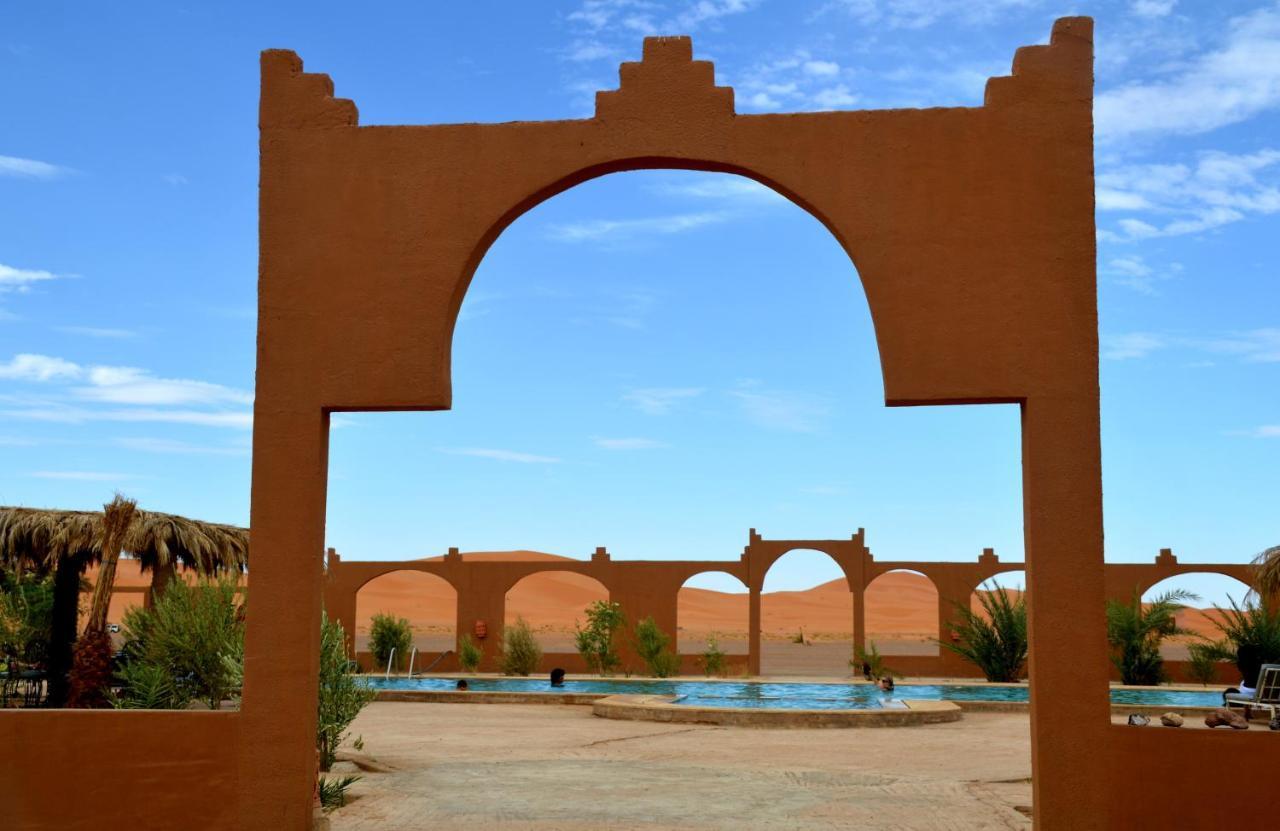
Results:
762 694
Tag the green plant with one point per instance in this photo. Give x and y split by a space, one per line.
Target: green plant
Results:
333 790
1202 663
195 634
1135 631
651 645
26 618
873 659
712 658
388 633
1250 635
520 651
145 686
342 695
469 653
995 640
595 640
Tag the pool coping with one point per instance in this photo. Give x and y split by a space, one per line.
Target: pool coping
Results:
661 708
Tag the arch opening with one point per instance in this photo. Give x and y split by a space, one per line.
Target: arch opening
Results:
552 603
427 601
1210 592
1013 582
806 616
713 604
902 613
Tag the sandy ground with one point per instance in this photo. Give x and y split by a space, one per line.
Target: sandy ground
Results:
538 768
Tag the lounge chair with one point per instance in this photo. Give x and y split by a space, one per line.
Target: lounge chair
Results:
1266 695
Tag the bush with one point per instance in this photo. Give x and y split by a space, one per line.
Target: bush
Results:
651 645
595 642
995 641
712 659
342 695
520 651
1202 663
1251 636
873 659
194 635
26 618
469 653
1135 631
333 791
388 633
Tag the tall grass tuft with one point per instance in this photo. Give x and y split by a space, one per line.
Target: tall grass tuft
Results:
520 651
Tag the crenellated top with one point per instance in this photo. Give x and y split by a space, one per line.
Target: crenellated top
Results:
668 80
1065 65
292 98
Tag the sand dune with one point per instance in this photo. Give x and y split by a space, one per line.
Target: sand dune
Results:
900 605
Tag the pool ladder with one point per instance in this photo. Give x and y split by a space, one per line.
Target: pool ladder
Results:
413 656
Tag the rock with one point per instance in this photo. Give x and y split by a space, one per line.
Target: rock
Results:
344 767
1138 720
1171 720
1229 718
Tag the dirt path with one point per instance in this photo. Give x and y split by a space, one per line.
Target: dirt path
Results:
541 768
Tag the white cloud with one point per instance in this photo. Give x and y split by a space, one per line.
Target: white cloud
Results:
500 455
720 186
822 68
96 332
660 400
1131 345
1253 346
834 98
66 414
597 229
1153 8
21 279
779 410
173 446
628 443
82 475
797 81
1266 431
27 367
29 168
129 385
919 14
640 16
1225 86
1134 272
175 179
1187 198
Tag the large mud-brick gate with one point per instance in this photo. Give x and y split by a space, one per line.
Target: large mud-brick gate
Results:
972 230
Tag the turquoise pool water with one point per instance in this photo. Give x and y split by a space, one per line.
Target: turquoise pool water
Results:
788 696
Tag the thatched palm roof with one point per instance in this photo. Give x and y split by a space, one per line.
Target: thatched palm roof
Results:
1267 578
41 538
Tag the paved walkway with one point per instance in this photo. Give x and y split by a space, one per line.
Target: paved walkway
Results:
545 768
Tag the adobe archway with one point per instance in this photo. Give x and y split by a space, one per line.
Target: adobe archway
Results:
971 229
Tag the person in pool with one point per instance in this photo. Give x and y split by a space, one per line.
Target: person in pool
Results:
462 685
886 684
557 677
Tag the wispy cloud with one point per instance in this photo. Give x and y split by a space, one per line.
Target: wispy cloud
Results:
1180 198
67 414
30 168
1152 8
660 400
718 186
500 455
1134 272
41 368
628 443
1131 345
82 475
173 446
782 410
1249 346
603 229
920 14
22 279
796 81
1234 82
96 332
1266 431
130 385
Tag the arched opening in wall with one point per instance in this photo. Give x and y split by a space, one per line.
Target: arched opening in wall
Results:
713 604
1209 592
553 603
427 601
806 616
902 613
1014 584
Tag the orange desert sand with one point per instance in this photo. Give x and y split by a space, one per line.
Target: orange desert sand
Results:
900 605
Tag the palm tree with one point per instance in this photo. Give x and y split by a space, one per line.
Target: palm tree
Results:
996 641
1267 578
1136 629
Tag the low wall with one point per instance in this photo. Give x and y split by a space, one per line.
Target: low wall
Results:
131 770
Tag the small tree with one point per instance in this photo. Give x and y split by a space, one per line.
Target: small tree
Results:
26 618
342 695
520 651
651 645
1202 663
1250 635
712 658
874 661
1135 631
469 653
386 633
595 641
995 641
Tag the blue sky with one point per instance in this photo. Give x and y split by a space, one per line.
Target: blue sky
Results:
653 362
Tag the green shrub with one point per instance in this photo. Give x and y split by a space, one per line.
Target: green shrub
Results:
712 659
1250 635
469 653
26 618
194 633
595 641
651 645
872 658
342 695
1135 631
387 633
1202 662
145 686
520 651
996 641
333 790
